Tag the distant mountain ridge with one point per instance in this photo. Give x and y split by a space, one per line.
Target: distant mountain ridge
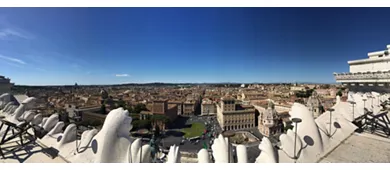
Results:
171 84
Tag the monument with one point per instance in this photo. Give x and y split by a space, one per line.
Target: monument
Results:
370 74
269 122
314 104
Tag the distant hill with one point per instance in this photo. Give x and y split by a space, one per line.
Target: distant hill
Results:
230 84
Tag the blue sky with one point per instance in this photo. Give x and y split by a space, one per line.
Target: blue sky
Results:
47 46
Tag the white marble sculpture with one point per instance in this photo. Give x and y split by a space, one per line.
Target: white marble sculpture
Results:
314 137
307 130
4 99
220 150
174 154
267 154
112 144
203 156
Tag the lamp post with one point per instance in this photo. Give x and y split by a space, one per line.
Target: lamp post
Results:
330 121
312 110
76 132
353 110
296 121
76 141
228 134
140 154
364 105
379 101
372 101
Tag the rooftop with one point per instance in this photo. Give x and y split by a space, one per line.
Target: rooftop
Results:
31 153
361 148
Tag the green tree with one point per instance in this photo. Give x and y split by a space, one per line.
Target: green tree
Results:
141 124
144 124
309 93
121 103
288 126
135 116
130 109
339 93
157 131
322 110
139 107
135 124
103 109
161 118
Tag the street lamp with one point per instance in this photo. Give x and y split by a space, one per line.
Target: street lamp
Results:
330 121
364 105
77 147
228 134
379 101
77 144
372 101
296 121
353 110
140 154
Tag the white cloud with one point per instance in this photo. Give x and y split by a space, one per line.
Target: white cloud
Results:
13 60
122 75
12 33
13 64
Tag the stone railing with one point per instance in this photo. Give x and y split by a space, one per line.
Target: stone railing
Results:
112 144
362 76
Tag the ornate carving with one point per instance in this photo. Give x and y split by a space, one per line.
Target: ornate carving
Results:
362 76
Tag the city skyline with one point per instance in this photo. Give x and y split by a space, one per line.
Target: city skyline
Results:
63 46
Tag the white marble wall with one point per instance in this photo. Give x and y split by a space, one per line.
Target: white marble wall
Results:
371 66
315 137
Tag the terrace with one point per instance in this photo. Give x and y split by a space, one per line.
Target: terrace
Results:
320 141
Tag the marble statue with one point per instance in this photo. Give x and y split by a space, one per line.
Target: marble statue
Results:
307 142
203 156
307 129
174 154
220 150
242 156
112 144
220 145
267 154
6 98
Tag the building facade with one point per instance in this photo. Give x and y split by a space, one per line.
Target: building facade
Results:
179 106
189 108
370 74
252 96
161 109
208 107
160 106
232 116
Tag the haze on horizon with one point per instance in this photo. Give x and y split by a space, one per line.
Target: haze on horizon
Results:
61 46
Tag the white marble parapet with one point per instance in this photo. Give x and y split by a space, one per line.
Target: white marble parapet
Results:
376 53
371 77
315 138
